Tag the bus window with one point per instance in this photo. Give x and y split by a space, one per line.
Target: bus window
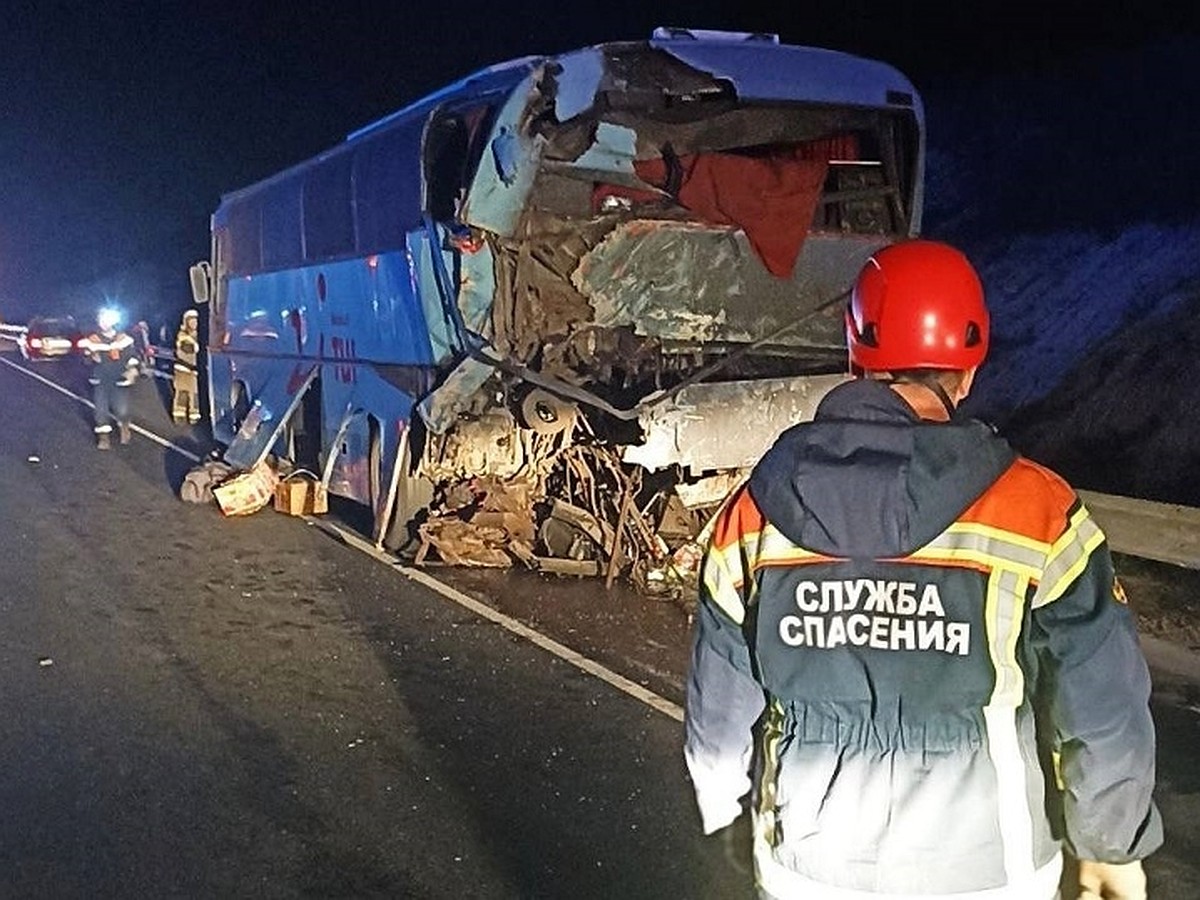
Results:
281 230
328 214
453 142
386 195
243 241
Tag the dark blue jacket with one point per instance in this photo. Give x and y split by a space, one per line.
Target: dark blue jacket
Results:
945 678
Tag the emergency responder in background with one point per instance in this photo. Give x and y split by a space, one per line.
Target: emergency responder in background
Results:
947 673
185 383
114 361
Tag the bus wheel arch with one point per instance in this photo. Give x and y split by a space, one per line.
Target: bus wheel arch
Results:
414 493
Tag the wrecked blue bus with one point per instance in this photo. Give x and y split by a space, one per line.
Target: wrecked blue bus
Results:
552 313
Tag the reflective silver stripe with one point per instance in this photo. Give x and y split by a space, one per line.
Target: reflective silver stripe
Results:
973 542
773 547
722 585
97 346
1004 614
1068 557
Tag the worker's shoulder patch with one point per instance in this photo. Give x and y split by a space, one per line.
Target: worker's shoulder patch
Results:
1118 591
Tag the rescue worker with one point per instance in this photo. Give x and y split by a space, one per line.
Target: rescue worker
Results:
911 653
185 382
114 368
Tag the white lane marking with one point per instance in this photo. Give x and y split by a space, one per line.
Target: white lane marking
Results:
136 428
563 652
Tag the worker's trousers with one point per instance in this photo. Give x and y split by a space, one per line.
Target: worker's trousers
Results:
185 399
111 401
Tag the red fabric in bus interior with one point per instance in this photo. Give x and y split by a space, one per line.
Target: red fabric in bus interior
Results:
772 196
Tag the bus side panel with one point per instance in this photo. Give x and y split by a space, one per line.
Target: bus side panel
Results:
352 395
360 407
251 397
280 325
366 309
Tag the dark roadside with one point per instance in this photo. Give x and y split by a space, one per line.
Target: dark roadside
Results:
1165 597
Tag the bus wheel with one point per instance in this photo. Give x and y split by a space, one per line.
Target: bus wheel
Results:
547 414
414 494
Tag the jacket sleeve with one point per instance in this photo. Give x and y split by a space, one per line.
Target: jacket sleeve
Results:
1096 687
723 698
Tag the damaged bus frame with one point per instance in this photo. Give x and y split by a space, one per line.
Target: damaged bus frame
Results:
553 313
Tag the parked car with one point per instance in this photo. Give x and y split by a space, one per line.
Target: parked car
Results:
47 337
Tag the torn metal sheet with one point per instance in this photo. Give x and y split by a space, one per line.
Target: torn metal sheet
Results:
610 155
440 330
269 412
476 286
441 408
489 444
845 79
502 184
576 84
725 425
708 491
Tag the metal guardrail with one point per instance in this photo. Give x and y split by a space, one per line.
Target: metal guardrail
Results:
12 332
1164 532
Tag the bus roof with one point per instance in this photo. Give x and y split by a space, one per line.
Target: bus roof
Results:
758 66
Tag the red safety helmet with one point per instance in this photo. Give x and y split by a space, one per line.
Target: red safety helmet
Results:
917 305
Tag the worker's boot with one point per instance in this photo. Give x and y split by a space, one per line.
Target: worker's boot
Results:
102 441
125 433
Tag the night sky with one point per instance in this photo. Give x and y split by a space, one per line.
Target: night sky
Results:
124 122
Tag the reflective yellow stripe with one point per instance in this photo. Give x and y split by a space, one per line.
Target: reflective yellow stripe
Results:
1069 557
724 578
729 572
104 347
773 548
1004 616
772 735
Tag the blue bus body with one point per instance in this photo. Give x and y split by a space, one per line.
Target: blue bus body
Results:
559 281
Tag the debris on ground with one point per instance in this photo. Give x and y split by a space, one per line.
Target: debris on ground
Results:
583 514
198 484
300 493
247 492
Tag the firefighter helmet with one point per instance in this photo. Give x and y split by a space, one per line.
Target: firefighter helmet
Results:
917 305
191 314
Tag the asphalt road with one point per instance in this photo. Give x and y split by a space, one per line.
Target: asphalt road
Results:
210 707
204 707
